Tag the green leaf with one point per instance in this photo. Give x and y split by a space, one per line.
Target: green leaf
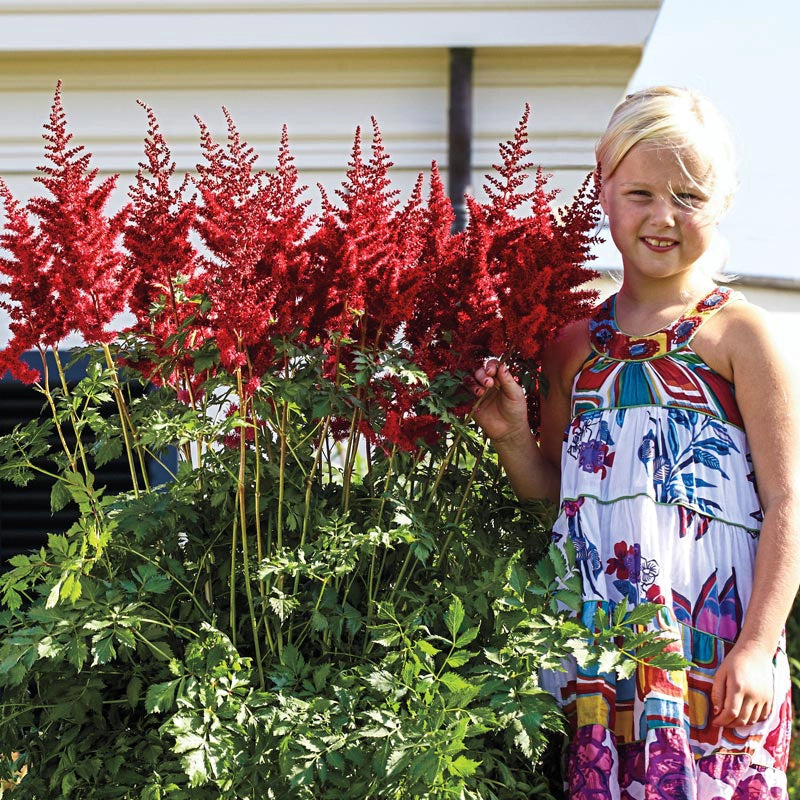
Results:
160 697
134 691
320 676
59 496
517 578
571 600
428 648
670 661
608 660
381 680
454 616
103 647
454 682
196 766
545 570
559 562
626 668
318 621
643 614
618 615
468 636
459 658
463 767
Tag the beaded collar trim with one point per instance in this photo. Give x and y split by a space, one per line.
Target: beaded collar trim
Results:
608 340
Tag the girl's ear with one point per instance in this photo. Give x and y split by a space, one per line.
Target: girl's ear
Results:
602 198
598 179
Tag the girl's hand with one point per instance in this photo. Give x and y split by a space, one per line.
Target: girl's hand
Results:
503 411
743 687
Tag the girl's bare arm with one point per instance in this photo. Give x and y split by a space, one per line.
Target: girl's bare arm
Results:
769 403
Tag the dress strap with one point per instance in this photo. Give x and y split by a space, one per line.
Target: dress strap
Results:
608 340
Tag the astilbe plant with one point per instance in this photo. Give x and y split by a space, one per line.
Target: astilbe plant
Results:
334 594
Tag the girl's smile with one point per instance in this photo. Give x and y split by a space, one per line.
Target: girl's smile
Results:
659 245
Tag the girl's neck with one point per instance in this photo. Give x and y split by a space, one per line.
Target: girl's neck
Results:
643 307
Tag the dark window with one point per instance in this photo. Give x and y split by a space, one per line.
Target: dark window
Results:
25 515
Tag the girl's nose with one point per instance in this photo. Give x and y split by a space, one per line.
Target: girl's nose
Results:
663 211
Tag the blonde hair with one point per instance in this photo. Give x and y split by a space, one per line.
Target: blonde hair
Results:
686 123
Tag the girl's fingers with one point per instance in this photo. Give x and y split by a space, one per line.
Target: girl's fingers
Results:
746 711
757 714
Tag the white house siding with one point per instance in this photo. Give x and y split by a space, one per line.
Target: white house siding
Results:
322 67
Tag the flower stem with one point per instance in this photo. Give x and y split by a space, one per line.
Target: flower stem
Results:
467 490
73 419
124 422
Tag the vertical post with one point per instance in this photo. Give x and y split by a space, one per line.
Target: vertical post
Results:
459 154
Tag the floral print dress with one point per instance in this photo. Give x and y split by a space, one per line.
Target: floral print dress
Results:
660 502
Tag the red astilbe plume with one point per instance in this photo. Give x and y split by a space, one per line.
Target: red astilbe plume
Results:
536 261
72 250
164 262
285 256
234 224
455 306
364 254
37 318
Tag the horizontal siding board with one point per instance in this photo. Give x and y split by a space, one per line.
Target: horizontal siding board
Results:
111 28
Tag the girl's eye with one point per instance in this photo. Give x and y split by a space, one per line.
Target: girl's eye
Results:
639 193
689 199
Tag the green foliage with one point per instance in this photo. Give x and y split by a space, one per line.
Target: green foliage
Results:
291 616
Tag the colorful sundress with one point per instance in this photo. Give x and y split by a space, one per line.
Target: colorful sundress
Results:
659 499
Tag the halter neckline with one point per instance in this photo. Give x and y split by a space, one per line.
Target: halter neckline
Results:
608 339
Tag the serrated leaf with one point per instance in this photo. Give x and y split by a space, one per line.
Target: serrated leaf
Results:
194 762
160 697
670 661
103 647
318 621
545 570
134 691
468 636
517 578
320 676
49 648
642 614
459 658
454 616
381 680
626 668
454 682
608 660
559 562
618 615
463 767
571 600
59 496
428 648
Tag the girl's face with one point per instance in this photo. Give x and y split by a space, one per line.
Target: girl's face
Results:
656 215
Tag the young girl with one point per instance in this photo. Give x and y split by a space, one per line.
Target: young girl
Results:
669 436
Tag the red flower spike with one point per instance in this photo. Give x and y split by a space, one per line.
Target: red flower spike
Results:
236 225
157 236
358 259
86 262
66 271
164 262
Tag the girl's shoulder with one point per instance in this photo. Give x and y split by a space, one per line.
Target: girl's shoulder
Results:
564 356
739 337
